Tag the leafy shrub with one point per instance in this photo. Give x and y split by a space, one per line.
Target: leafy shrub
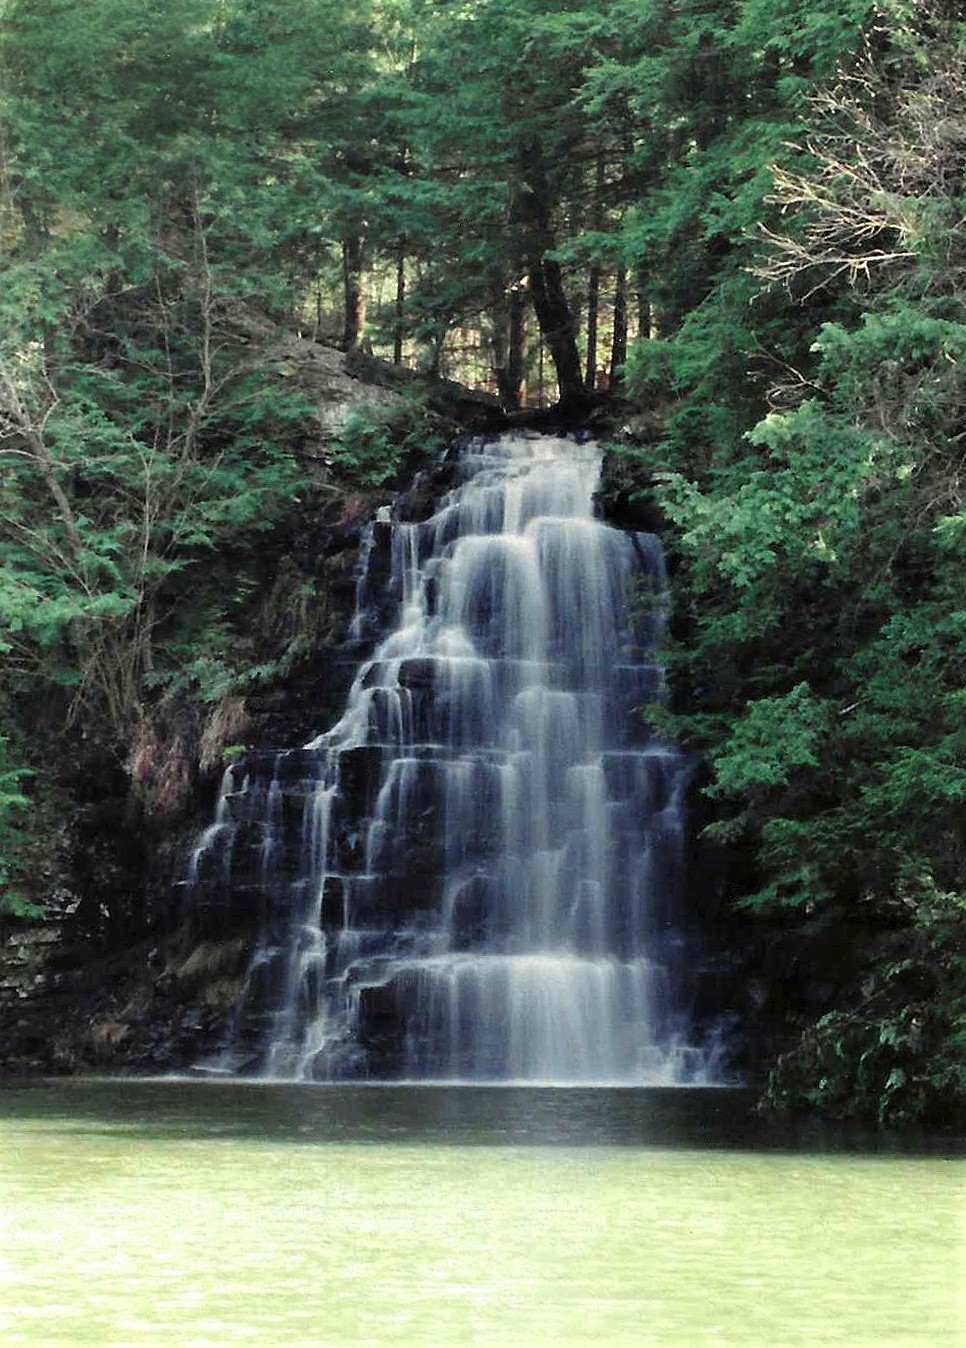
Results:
12 801
382 442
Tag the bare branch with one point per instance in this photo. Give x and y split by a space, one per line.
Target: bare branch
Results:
887 169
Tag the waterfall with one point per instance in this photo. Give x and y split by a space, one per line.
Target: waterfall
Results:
476 873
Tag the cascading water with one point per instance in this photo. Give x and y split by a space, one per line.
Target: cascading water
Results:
475 874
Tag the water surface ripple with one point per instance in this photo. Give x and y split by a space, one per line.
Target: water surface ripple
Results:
189 1213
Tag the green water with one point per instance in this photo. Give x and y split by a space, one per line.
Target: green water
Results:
170 1214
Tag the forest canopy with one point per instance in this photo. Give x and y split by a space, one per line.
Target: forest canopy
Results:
743 222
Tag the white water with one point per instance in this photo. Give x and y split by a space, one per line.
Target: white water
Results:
487 874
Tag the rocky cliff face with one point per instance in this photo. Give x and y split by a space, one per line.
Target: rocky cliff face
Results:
128 972
118 974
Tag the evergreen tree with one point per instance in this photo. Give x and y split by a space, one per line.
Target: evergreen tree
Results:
818 588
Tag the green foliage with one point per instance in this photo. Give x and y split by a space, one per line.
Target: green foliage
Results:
897 1055
12 803
776 738
119 483
779 183
815 490
382 441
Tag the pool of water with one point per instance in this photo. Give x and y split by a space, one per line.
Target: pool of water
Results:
173 1213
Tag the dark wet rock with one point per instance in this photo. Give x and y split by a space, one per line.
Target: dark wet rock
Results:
472 910
419 673
359 771
626 496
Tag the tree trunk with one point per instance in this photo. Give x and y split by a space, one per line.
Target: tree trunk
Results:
557 326
397 340
532 212
518 344
509 348
618 352
593 288
355 300
593 305
35 232
644 317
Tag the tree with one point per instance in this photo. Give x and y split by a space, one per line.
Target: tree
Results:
498 145
138 432
818 586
